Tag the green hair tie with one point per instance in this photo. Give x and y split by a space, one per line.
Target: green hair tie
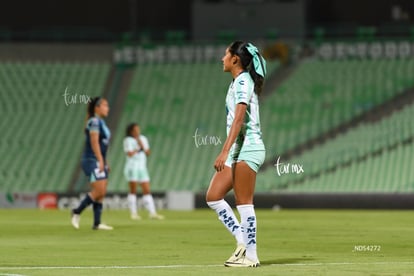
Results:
259 62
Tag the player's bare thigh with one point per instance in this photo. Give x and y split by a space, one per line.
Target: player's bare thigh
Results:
244 182
221 183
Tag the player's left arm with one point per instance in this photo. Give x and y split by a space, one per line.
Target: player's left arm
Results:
231 138
146 146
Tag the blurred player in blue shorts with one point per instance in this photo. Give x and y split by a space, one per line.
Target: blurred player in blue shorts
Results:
136 148
243 151
94 162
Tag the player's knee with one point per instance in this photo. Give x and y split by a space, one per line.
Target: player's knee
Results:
212 197
244 201
100 193
243 198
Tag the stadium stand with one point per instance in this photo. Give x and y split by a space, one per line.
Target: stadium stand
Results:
372 157
180 108
44 138
322 94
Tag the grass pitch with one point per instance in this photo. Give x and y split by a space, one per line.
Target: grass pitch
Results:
290 242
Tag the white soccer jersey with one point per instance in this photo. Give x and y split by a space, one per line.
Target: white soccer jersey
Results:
138 160
241 90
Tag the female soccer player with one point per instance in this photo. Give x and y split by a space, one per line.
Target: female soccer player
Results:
243 151
137 149
94 162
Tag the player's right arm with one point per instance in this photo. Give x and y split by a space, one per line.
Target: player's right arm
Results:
129 148
231 138
96 148
93 126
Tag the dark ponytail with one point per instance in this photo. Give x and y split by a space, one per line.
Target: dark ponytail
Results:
246 59
91 106
129 129
90 111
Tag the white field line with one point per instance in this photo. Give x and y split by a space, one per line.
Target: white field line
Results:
191 266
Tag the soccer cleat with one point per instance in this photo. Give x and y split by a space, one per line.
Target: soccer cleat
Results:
156 216
238 254
242 261
75 218
135 217
102 226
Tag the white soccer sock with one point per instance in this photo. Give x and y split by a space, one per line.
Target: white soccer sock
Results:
132 203
248 224
228 218
149 204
